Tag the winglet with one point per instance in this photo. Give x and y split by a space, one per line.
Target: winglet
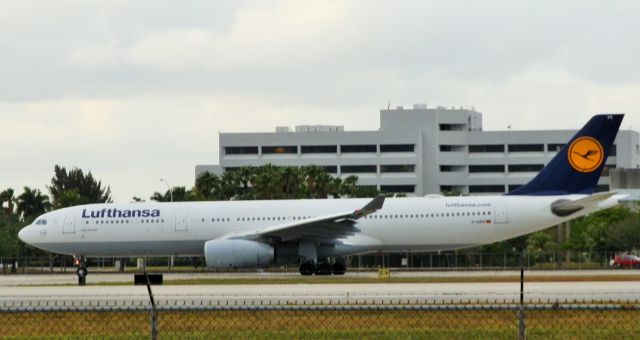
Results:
371 207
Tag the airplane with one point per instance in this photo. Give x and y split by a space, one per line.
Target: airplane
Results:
316 233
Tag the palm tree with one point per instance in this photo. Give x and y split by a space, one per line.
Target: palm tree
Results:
69 198
291 182
229 187
180 194
207 186
7 196
267 183
349 186
32 203
335 187
316 181
245 175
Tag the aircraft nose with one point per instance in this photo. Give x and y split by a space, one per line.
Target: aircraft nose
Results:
22 234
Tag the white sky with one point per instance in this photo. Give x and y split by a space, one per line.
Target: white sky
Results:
135 91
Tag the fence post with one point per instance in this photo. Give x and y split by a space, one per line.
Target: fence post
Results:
154 313
504 260
521 318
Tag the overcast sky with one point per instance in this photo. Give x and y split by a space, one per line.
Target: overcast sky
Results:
135 91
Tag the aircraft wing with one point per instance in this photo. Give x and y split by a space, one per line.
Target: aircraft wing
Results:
325 228
566 207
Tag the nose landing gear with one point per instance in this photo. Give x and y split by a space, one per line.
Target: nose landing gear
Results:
81 271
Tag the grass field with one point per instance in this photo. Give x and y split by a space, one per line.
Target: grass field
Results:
483 324
352 279
360 280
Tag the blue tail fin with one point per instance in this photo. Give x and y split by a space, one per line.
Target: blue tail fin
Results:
577 167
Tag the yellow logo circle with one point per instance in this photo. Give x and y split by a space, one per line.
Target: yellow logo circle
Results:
585 154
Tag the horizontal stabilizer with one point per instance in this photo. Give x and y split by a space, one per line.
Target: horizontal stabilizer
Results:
565 207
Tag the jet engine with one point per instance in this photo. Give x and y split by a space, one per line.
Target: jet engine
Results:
221 254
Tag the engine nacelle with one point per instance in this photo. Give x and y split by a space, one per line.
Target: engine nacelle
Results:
221 254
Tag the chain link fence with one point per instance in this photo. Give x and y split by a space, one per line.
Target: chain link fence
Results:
398 261
480 321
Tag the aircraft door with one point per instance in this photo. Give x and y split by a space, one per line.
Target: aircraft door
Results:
500 212
69 227
181 220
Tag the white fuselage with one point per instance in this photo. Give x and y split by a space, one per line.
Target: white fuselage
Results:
403 224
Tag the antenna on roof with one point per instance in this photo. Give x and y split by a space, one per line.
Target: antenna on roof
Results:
388 104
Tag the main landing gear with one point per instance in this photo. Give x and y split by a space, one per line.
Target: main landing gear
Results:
322 268
81 271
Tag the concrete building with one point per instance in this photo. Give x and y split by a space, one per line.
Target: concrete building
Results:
627 182
417 151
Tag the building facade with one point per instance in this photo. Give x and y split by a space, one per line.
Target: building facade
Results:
417 151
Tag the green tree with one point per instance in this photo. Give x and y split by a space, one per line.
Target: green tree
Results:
6 201
349 186
267 184
89 189
291 182
69 198
589 233
207 187
180 194
624 235
246 176
365 191
316 181
272 182
541 242
31 204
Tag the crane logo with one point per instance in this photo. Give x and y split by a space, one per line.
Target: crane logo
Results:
585 154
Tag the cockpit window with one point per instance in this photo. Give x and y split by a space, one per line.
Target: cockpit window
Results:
41 221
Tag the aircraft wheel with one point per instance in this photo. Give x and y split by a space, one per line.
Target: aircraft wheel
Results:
307 268
82 272
339 268
324 269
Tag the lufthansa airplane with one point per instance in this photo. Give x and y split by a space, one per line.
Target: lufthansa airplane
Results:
312 233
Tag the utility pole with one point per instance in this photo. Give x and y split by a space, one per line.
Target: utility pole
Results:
168 188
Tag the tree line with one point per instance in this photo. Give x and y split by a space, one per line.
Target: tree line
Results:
268 182
67 188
